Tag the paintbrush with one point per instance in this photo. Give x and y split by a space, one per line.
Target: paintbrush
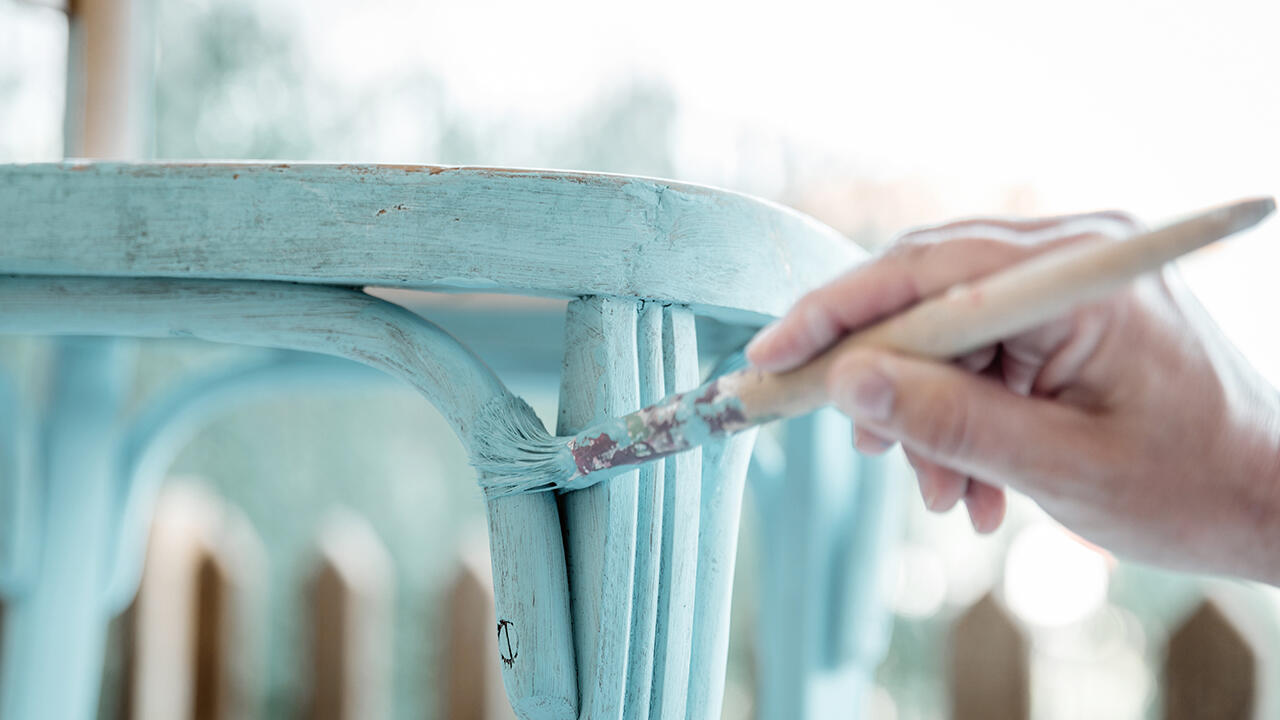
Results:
519 455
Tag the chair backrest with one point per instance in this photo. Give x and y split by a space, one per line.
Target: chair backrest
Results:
200 250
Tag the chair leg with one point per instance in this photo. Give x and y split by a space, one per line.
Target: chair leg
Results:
724 472
673 642
55 625
822 629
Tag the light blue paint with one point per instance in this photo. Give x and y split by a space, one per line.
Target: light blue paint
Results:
530 587
828 519
600 379
528 232
55 625
19 506
724 471
681 510
650 518
160 431
649 609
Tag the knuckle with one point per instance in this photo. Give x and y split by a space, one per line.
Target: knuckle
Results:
946 425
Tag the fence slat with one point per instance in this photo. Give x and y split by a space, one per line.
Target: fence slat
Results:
472 678
349 595
193 651
1210 669
210 652
990 659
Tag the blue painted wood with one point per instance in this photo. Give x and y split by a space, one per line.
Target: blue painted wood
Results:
531 232
827 524
19 510
600 379
681 502
55 627
159 432
649 524
728 257
724 470
870 531
528 559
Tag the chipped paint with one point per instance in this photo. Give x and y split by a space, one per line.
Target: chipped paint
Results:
680 422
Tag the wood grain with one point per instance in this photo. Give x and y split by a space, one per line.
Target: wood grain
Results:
528 232
681 500
600 379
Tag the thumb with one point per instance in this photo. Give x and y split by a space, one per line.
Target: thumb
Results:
963 421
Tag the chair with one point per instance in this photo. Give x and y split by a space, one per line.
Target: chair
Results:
614 598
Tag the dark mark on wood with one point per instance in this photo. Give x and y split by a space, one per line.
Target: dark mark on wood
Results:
508 642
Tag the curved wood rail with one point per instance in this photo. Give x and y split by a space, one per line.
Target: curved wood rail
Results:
530 579
156 436
531 232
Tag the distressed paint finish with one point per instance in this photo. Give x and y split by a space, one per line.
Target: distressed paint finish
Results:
650 519
710 252
681 510
600 379
683 421
724 471
530 232
525 531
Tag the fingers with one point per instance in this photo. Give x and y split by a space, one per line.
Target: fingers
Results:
869 292
1029 231
954 419
919 266
940 487
870 443
986 505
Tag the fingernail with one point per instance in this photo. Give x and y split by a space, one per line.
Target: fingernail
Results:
763 338
928 493
869 395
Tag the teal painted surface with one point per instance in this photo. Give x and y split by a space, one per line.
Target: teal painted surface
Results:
828 518
529 581
19 509
681 510
156 435
600 379
724 471
478 229
55 621
650 518
651 561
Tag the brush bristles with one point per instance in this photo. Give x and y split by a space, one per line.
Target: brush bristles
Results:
514 453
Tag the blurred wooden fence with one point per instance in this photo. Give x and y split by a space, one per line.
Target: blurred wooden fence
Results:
193 647
1210 667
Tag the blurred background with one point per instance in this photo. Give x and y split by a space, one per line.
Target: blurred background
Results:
873 117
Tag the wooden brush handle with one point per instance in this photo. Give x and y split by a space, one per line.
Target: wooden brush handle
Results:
972 315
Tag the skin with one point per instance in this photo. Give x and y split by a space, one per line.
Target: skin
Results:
1133 421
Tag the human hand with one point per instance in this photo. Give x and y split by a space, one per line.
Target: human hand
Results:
1132 420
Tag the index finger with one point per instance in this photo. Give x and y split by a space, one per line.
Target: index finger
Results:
924 263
